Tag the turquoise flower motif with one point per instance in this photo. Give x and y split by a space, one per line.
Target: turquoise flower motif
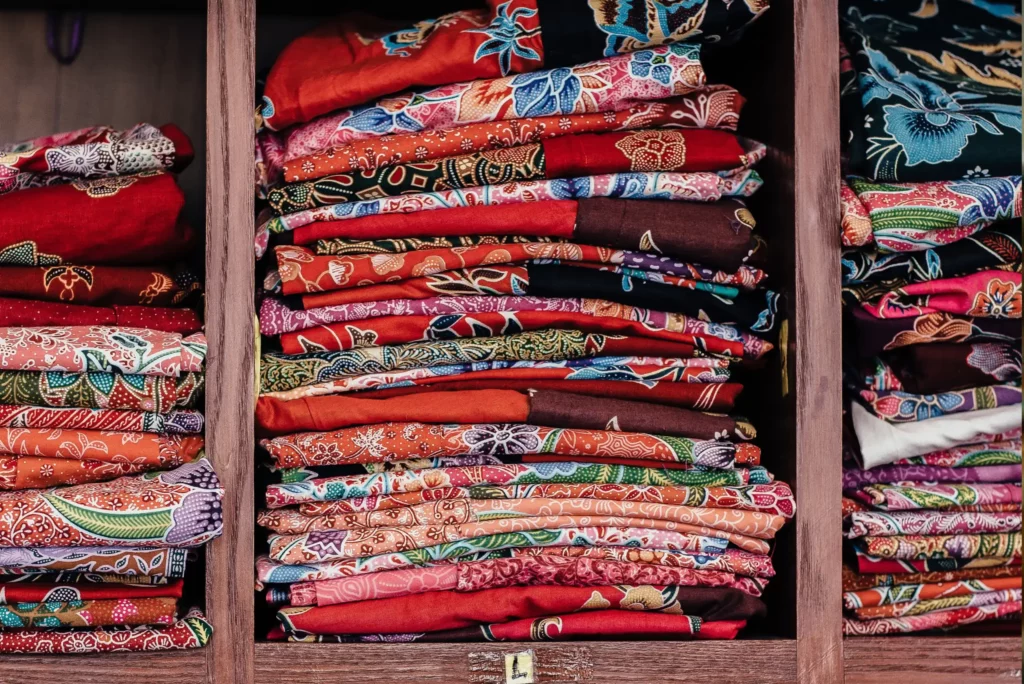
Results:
506 35
649 64
933 126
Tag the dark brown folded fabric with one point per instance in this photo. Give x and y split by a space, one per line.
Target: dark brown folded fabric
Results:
562 409
934 368
876 335
718 234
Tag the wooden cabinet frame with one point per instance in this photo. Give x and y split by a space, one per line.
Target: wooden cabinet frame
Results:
794 92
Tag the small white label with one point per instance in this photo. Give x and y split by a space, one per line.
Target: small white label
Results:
519 668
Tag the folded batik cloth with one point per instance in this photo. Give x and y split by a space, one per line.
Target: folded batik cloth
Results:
496 573
122 562
398 441
192 631
282 372
716 234
775 498
868 273
985 450
907 496
92 153
899 523
118 220
302 271
34 313
56 613
870 564
713 106
903 407
544 278
733 568
985 294
277 318
938 93
881 442
875 335
317 73
926 606
908 593
697 186
468 512
935 368
111 420
603 85
540 407
688 328
673 381
854 582
177 508
590 154
439 610
891 474
102 285
80 349
908 217
14 591
453 481
151 393
31 458
921 547
939 619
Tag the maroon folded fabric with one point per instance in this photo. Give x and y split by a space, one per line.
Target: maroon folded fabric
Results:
31 313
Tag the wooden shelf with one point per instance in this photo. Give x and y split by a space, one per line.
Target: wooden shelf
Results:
603 662
932 660
169 667
787 69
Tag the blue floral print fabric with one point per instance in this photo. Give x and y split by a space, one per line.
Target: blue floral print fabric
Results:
937 93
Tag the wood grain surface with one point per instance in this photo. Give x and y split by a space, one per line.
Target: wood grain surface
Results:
817 332
169 667
933 660
230 331
657 662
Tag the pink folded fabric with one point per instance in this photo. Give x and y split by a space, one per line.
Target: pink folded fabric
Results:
986 294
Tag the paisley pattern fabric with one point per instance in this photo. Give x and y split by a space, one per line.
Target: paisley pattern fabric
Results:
322 546
398 441
576 156
151 393
192 631
869 272
879 524
919 547
909 217
775 498
396 482
714 106
81 349
916 496
938 91
983 453
178 508
907 593
941 619
279 372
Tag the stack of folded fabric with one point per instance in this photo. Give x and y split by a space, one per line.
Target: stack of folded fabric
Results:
506 314
101 375
932 293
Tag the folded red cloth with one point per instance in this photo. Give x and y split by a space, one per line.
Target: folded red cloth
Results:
148 286
29 313
116 220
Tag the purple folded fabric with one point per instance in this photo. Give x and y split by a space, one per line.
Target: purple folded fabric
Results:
854 479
